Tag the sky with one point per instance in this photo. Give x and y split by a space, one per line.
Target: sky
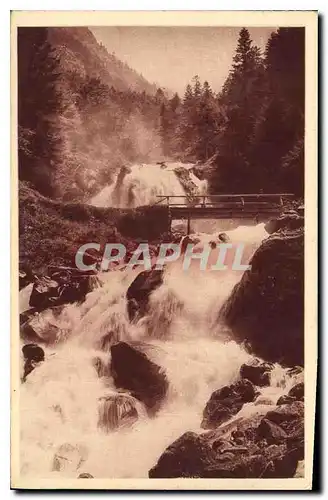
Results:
171 56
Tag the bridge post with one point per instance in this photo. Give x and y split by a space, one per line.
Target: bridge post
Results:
188 223
169 220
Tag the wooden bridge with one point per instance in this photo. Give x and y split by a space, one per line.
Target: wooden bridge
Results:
259 207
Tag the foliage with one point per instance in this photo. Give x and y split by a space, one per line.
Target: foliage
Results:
252 132
83 114
38 102
50 232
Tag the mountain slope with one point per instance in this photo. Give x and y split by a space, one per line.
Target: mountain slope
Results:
80 52
109 117
83 113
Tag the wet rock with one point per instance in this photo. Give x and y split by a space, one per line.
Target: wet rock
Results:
252 447
226 402
62 287
25 275
266 307
258 373
297 392
139 292
286 414
33 356
44 292
272 432
133 371
39 326
33 352
223 238
69 458
188 456
285 400
117 411
288 220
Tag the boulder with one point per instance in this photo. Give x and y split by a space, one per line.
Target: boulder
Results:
85 475
226 402
40 327
33 356
133 371
62 287
288 416
117 411
44 293
258 373
139 292
33 352
266 308
285 400
253 447
25 275
288 220
188 456
297 392
271 432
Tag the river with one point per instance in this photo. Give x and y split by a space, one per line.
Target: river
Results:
59 402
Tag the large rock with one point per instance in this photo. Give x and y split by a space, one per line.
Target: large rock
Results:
288 220
296 393
62 287
139 292
226 402
40 327
33 356
261 446
188 456
133 371
258 373
25 275
266 308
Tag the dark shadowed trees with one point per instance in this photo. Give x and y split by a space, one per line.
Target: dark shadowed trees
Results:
38 102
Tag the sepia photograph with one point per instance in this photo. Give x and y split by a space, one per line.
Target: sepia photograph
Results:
164 329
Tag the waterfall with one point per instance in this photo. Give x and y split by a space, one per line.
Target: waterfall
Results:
60 399
142 184
68 422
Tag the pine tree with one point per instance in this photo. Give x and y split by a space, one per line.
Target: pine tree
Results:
186 131
239 101
207 124
280 127
165 129
38 102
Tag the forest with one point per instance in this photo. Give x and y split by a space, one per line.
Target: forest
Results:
76 128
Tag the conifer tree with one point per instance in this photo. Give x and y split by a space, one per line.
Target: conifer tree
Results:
38 101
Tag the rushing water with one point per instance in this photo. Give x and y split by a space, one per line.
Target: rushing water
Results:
59 401
143 184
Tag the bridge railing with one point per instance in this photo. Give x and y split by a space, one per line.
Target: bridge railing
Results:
225 200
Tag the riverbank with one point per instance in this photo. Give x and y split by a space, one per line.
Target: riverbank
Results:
50 232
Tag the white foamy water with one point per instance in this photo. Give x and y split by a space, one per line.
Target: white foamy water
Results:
144 184
59 402
60 399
